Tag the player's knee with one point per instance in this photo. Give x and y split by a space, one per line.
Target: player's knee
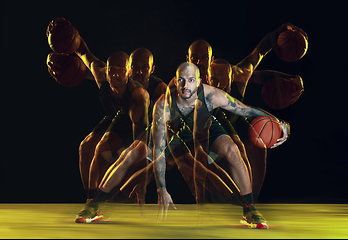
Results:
232 151
102 150
89 143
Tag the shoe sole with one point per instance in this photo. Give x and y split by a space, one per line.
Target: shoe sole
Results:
253 225
89 220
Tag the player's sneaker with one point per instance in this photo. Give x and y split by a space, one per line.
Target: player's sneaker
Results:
254 219
89 213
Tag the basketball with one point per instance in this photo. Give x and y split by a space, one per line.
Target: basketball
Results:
277 93
264 131
70 70
62 36
291 46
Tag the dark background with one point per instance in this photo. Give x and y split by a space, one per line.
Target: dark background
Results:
43 123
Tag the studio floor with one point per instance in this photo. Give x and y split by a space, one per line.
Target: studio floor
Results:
209 221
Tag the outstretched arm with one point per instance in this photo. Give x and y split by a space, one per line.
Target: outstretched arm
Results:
263 76
244 69
96 66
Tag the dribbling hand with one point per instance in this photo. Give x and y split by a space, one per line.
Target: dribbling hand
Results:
285 127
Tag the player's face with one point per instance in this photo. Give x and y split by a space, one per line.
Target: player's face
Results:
142 68
118 73
220 76
187 82
201 57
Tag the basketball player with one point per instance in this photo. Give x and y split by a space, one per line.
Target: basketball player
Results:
141 62
177 112
126 103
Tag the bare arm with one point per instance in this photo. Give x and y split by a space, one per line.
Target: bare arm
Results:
96 66
245 68
262 77
159 141
139 113
218 98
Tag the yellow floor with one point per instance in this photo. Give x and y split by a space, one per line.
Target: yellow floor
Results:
126 220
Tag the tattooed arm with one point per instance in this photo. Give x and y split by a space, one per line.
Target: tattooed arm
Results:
159 141
217 98
160 118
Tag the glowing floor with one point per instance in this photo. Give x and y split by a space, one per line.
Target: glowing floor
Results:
127 220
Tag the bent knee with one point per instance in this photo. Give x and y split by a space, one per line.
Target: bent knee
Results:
90 141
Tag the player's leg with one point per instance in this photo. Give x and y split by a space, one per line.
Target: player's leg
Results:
116 172
243 154
117 138
257 158
87 149
226 148
104 156
114 175
86 153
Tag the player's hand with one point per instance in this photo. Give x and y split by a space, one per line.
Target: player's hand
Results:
297 84
52 63
285 127
54 23
294 28
164 200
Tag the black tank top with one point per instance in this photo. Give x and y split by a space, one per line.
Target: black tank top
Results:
183 125
112 105
153 83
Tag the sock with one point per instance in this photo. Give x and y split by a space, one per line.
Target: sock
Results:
248 200
100 196
91 193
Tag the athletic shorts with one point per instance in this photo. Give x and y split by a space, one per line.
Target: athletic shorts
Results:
120 125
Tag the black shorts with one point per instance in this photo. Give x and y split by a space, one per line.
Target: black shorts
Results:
120 124
184 143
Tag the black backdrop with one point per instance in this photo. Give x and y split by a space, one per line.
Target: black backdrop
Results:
43 123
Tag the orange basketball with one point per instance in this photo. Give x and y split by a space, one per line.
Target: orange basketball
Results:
264 131
277 93
68 70
291 46
62 36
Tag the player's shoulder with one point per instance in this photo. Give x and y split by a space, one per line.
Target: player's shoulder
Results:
138 92
210 90
160 101
155 79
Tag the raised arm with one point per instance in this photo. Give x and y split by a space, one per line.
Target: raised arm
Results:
96 66
244 69
263 76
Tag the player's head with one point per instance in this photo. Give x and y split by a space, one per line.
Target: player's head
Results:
141 61
200 53
118 69
220 74
187 80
